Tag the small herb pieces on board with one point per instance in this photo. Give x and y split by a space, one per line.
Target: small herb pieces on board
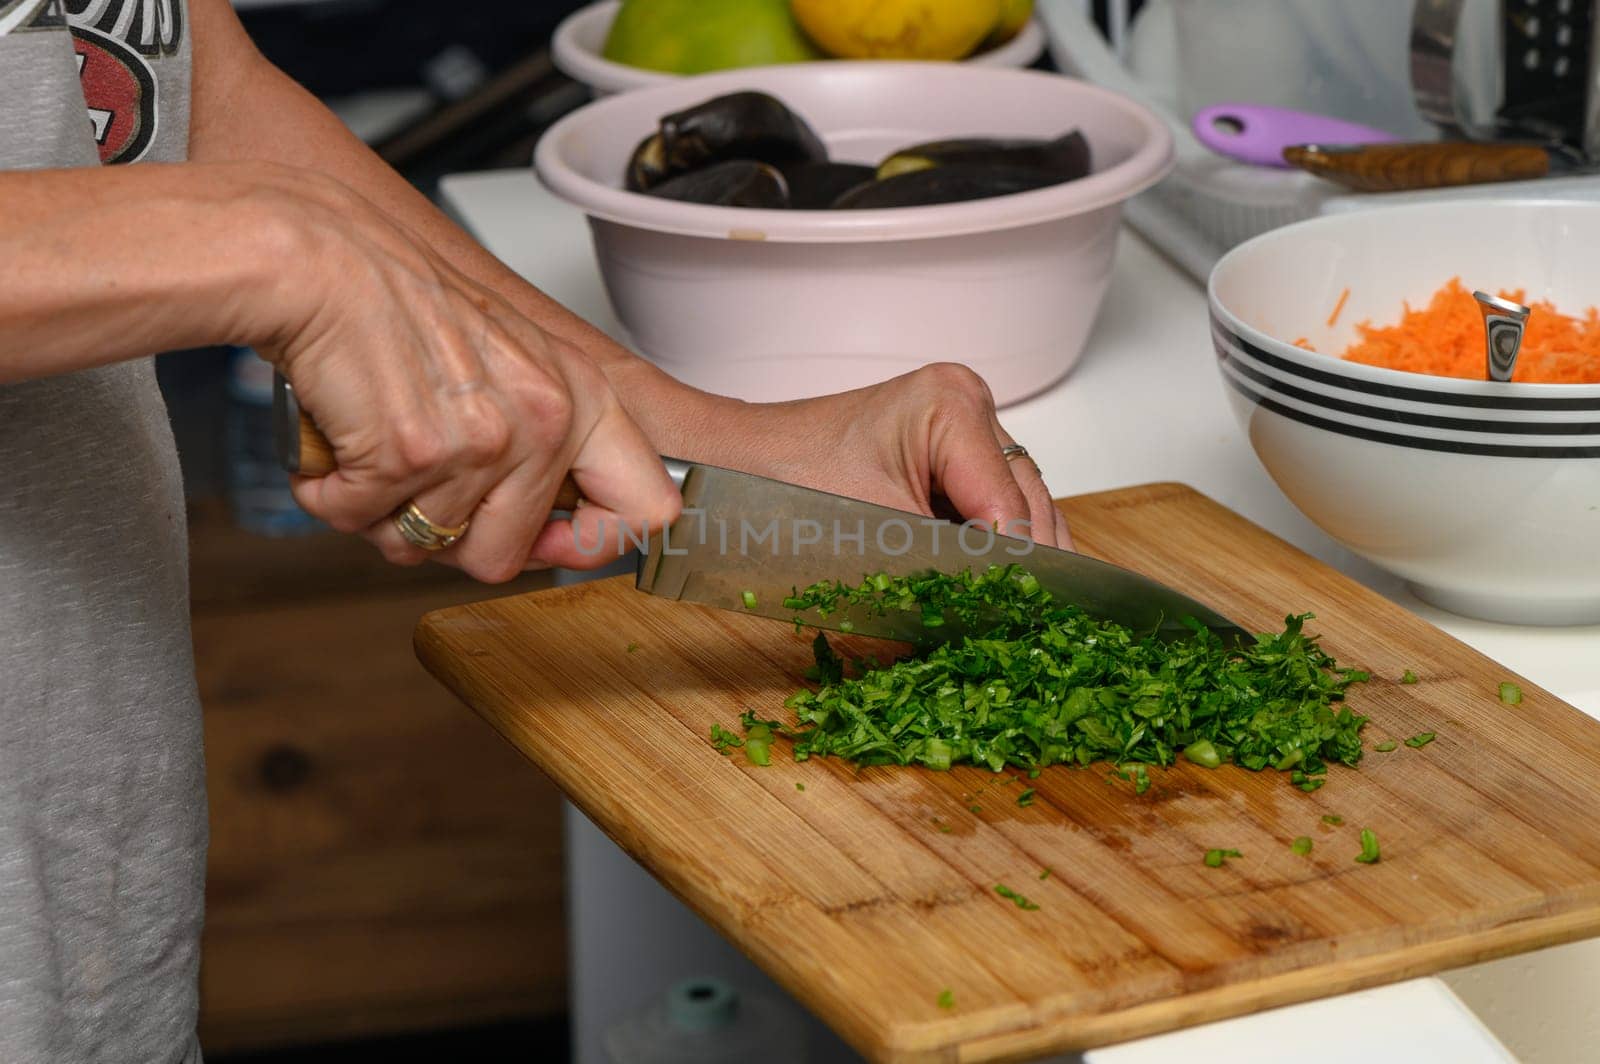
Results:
1510 694
723 739
1214 858
1011 895
1419 741
1386 746
758 744
1033 683
947 999
1301 845
1369 847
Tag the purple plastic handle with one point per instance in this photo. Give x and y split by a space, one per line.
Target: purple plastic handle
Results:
1257 134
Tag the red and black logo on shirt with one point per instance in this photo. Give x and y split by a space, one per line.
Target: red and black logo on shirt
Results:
115 40
120 89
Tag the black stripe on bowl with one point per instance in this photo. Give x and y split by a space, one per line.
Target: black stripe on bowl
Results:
1395 391
1267 383
1420 443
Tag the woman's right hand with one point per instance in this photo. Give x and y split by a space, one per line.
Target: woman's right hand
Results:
434 391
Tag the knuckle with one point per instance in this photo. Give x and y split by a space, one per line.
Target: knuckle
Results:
956 380
548 412
664 510
418 448
492 570
486 436
348 523
399 553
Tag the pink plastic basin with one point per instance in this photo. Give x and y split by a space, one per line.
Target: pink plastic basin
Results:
771 305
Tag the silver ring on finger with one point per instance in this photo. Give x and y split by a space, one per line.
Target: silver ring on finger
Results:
421 532
1012 451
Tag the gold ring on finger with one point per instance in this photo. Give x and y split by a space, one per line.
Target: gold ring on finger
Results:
420 531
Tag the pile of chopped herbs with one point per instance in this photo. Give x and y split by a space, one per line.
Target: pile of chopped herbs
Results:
1032 682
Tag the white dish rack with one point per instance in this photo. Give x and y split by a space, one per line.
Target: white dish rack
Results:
1210 204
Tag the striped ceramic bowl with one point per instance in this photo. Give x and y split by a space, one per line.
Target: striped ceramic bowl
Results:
1484 497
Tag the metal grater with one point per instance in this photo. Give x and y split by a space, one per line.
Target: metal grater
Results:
1547 58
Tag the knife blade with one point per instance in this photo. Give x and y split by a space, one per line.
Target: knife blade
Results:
746 543
1442 164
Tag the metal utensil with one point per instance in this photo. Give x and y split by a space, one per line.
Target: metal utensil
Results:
1548 59
1401 167
1258 134
718 552
1503 322
745 543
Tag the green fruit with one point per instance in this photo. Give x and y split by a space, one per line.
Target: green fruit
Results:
693 36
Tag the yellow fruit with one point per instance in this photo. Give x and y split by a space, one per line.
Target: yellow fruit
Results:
898 29
692 36
1014 14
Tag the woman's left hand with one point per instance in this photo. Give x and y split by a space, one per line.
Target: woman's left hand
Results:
929 433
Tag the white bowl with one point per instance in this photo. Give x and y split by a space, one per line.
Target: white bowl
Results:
1484 497
579 44
780 304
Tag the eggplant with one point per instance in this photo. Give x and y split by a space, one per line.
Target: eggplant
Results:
949 183
814 186
734 183
1066 157
741 125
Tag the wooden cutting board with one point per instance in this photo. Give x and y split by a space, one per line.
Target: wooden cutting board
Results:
869 893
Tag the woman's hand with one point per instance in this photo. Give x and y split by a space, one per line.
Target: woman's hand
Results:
433 390
929 433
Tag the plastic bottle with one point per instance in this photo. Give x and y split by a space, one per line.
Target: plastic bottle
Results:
258 487
707 1021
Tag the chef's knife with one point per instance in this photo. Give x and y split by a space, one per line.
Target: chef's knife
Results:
746 543
1402 167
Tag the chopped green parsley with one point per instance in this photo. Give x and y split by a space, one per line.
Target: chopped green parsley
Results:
1011 895
1031 682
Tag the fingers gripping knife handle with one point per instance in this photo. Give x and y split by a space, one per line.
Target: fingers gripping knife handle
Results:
303 449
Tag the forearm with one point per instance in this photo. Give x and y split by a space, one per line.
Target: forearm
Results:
249 110
100 265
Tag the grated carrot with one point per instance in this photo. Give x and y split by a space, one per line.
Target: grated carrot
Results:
1445 339
1338 308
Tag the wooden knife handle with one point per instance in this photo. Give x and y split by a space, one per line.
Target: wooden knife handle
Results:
1397 167
311 455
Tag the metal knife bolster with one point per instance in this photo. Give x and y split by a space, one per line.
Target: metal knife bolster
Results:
650 577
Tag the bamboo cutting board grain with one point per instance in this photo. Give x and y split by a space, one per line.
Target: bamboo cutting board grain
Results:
869 893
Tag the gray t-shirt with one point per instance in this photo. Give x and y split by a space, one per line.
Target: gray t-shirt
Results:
102 786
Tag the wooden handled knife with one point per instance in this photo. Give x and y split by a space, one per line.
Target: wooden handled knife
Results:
1403 167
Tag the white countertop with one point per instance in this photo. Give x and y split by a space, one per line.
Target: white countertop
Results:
1144 404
